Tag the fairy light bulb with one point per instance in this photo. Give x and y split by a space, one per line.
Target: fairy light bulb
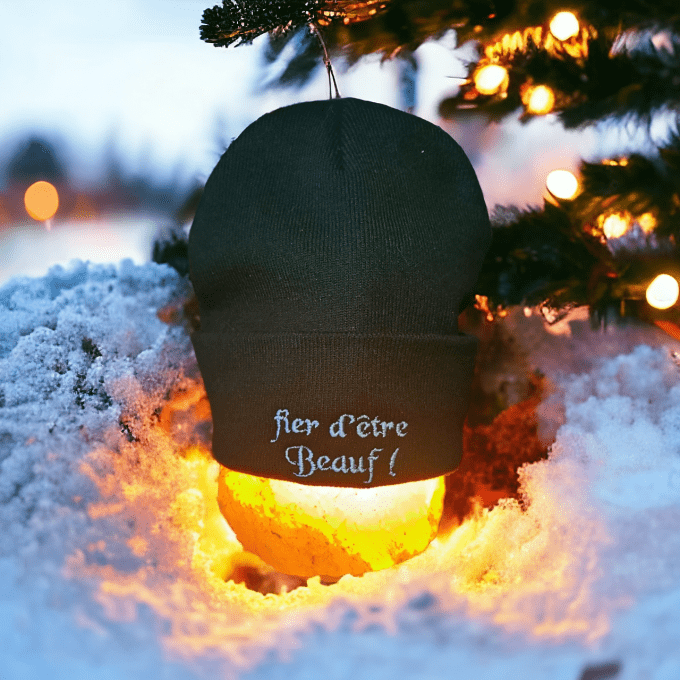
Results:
41 200
564 25
562 184
647 223
663 292
616 225
491 78
539 100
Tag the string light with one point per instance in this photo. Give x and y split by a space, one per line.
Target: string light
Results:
537 36
564 25
663 292
562 184
491 78
647 222
41 200
539 100
616 224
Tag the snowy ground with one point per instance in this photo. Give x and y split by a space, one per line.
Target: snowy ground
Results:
583 582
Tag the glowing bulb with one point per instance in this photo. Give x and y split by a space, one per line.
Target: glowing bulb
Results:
41 200
663 292
647 222
491 78
330 531
616 225
564 25
562 184
539 100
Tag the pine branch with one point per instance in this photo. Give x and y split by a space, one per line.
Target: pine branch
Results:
387 27
601 249
606 81
535 259
308 56
241 21
587 78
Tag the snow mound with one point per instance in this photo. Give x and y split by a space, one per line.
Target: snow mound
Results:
584 574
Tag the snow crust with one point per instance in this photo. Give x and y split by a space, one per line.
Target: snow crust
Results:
68 342
83 348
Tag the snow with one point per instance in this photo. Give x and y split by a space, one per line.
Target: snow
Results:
31 249
585 576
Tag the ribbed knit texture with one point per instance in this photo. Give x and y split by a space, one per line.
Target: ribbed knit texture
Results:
330 253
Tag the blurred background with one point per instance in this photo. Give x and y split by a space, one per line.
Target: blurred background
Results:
125 111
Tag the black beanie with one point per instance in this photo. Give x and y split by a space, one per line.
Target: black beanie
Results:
330 253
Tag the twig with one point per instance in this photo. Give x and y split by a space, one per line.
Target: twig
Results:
327 62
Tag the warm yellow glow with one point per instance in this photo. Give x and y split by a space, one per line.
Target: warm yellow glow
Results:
616 224
564 25
663 292
647 222
491 78
330 531
575 45
529 569
482 304
516 41
41 200
539 100
562 184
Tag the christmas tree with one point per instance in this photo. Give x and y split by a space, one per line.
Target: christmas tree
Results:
607 239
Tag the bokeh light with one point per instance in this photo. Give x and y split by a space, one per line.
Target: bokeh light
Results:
41 200
616 224
647 222
491 78
663 292
564 25
562 184
539 100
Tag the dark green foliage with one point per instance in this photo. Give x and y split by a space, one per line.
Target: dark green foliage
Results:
173 251
389 27
637 185
535 257
621 85
559 257
307 58
241 21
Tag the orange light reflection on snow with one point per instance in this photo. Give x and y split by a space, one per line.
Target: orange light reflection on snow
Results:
524 569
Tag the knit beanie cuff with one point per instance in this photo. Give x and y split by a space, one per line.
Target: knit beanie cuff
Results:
337 409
